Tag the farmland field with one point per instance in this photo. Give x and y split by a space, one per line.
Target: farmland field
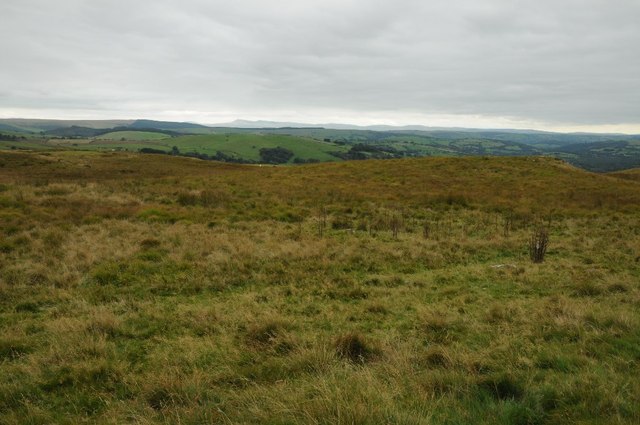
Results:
133 135
244 146
156 289
249 145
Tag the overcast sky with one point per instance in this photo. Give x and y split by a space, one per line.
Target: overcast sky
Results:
547 64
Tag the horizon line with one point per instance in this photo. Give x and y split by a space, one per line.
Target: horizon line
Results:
290 124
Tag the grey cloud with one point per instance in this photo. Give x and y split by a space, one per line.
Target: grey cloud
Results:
546 61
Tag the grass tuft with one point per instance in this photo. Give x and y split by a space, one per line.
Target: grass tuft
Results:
502 387
354 347
436 356
12 349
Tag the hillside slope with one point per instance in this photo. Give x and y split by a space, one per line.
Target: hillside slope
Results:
538 183
632 174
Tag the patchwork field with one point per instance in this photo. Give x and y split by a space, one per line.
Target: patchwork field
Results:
240 146
593 152
248 145
157 289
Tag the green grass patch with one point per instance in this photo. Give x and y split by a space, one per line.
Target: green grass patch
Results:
133 136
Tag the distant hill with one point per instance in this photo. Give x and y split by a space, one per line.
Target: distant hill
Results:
9 127
37 125
470 132
332 142
164 125
74 131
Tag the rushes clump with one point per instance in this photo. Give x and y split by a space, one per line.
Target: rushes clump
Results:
538 243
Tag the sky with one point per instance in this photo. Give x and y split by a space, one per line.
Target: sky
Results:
563 65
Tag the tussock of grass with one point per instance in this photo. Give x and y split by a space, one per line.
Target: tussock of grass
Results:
436 356
502 387
355 348
439 326
377 308
270 333
12 349
150 243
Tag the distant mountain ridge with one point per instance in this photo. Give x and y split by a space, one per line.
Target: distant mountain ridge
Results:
29 124
37 125
165 125
254 124
249 124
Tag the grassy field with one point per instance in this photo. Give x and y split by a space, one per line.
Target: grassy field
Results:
22 144
248 145
145 289
412 143
245 146
133 135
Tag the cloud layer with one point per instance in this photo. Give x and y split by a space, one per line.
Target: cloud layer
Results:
501 62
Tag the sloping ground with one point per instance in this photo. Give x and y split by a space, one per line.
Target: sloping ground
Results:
537 184
602 156
78 166
37 125
633 174
158 289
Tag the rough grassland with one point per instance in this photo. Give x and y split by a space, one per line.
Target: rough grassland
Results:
633 174
146 289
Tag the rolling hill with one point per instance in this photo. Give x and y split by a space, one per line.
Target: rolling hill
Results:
37 125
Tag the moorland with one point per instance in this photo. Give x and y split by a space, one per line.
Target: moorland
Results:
138 288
